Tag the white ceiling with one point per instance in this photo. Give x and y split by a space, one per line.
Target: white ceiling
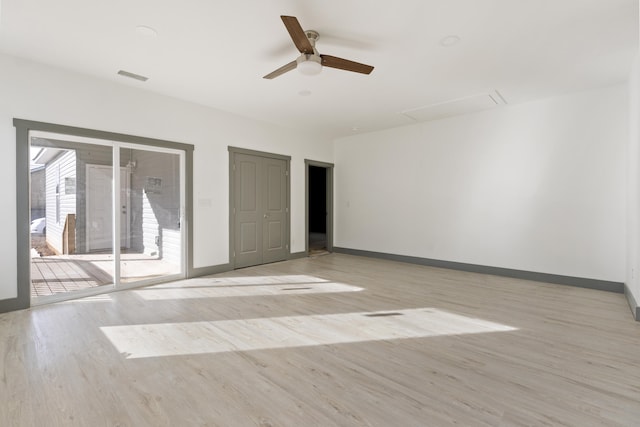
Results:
216 52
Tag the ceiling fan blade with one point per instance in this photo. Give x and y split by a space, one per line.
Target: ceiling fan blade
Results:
297 34
345 64
290 66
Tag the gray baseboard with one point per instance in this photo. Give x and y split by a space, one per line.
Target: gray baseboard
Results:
13 304
633 304
601 285
207 271
298 255
223 268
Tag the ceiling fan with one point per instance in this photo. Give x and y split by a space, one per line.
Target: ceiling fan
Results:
310 61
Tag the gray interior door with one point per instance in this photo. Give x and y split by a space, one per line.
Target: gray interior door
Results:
260 210
274 207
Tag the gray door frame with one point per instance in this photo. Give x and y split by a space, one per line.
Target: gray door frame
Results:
23 199
232 202
329 167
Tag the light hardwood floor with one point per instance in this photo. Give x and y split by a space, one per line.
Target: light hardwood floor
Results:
335 340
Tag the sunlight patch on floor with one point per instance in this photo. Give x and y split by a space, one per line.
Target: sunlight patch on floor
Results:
94 298
242 286
173 339
243 280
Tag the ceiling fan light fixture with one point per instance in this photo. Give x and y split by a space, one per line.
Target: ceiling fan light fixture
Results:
309 65
449 41
310 62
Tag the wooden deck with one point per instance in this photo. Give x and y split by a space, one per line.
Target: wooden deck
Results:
52 275
335 340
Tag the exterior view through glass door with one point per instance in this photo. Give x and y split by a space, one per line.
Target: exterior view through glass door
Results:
99 207
152 207
81 244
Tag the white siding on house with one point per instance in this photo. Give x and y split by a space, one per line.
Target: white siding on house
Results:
58 173
171 246
150 228
155 199
38 193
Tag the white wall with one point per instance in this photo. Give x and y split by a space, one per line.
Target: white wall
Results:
536 187
633 184
36 92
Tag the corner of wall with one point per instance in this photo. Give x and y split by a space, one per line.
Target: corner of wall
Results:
632 287
633 305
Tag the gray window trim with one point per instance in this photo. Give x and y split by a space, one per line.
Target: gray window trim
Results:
23 127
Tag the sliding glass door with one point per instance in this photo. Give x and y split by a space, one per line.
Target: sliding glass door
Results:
151 214
104 215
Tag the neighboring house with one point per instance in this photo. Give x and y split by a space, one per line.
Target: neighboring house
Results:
78 185
60 175
157 196
38 193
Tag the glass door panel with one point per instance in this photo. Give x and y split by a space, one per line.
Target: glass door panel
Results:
88 238
71 211
150 215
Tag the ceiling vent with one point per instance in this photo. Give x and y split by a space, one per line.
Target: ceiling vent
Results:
133 75
455 107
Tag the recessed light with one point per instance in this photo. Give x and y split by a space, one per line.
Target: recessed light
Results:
146 31
450 41
304 93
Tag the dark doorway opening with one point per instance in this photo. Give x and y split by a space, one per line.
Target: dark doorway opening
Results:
317 210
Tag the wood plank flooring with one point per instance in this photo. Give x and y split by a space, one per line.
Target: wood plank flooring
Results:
335 340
